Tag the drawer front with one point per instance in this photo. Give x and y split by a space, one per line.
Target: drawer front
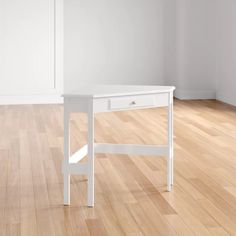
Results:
131 102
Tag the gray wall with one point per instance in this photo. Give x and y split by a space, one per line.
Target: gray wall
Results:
191 57
186 43
226 79
113 42
200 48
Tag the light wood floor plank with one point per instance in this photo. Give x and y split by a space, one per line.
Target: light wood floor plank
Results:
130 193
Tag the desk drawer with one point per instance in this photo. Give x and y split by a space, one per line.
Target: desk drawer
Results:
131 102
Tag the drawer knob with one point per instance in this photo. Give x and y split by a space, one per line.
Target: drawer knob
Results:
133 103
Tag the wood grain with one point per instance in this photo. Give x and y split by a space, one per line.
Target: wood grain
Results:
130 193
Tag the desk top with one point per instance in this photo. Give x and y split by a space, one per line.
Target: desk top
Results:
99 91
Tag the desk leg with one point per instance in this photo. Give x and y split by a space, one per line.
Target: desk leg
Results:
66 157
170 161
90 154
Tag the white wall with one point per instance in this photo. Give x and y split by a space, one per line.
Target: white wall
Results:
186 43
115 42
28 70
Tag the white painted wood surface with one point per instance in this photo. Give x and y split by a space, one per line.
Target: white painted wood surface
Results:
98 91
122 98
79 155
170 161
131 149
66 165
131 101
90 172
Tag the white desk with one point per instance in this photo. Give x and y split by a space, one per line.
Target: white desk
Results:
93 99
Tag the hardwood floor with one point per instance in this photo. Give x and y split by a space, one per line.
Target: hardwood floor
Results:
130 192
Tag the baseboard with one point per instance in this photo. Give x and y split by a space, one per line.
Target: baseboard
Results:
30 99
194 94
226 99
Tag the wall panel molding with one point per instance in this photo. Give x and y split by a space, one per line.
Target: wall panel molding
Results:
31 59
31 99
